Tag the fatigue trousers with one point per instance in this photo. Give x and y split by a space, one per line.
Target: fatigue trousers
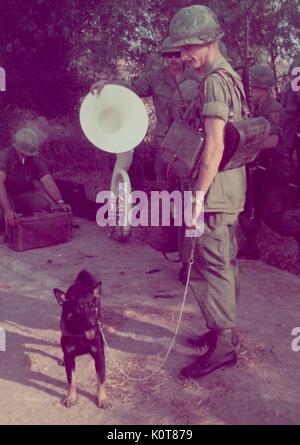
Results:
26 203
215 259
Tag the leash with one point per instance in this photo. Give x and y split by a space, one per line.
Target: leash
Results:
142 379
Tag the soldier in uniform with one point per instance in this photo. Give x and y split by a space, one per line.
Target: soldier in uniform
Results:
291 102
259 172
285 218
160 85
196 31
20 166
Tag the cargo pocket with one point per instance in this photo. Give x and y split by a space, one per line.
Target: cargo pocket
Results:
215 243
215 197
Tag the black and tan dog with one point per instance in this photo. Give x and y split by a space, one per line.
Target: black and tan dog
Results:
81 331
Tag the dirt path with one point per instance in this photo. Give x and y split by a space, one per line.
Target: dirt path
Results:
263 388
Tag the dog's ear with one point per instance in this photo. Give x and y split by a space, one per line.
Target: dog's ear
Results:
97 289
60 296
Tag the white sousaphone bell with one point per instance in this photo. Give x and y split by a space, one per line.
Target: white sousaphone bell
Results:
115 121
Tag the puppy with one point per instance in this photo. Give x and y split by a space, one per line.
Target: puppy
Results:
81 332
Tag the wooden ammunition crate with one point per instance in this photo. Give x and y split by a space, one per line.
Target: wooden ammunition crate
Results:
40 230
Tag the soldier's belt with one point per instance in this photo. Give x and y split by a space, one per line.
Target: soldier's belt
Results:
183 145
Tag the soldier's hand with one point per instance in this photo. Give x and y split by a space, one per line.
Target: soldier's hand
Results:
65 207
194 217
10 217
97 87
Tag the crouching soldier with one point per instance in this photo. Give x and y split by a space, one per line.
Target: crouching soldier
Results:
20 166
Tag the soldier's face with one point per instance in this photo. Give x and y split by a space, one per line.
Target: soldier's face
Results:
258 93
173 60
195 55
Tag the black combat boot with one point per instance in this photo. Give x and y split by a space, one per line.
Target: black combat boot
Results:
222 355
209 339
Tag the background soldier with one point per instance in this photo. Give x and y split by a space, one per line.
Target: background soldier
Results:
197 31
258 179
20 166
160 85
291 142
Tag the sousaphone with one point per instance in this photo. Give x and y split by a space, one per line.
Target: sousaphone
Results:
116 121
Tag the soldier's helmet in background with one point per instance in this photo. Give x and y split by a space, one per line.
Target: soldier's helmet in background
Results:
167 47
262 77
194 25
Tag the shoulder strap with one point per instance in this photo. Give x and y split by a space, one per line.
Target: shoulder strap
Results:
226 75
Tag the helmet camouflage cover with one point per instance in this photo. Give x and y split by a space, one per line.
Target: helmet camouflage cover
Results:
167 47
262 76
194 25
26 141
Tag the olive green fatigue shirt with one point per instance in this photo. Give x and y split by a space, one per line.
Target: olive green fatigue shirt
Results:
160 85
274 112
20 177
291 103
271 110
221 99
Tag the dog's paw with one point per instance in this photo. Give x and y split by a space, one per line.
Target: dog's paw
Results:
104 404
69 402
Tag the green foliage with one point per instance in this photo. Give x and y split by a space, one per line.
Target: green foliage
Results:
53 50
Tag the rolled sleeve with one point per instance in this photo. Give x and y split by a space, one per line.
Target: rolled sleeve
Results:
216 100
144 85
216 109
140 86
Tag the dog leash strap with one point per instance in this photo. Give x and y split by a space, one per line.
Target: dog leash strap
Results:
142 379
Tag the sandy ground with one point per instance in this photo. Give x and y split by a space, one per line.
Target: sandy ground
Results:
262 389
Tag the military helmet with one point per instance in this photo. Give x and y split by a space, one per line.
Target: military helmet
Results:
262 76
194 25
167 47
26 141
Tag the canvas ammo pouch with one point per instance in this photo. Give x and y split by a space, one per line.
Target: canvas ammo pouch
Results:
182 148
183 145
